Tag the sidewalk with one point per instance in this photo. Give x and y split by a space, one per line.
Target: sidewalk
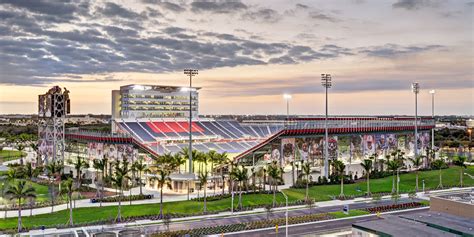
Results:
87 203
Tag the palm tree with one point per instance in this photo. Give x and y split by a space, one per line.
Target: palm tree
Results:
30 172
141 168
439 164
274 172
69 189
367 165
53 171
20 191
34 146
185 153
203 178
339 168
392 165
163 179
79 164
240 175
100 165
223 160
417 162
179 160
20 147
307 172
120 176
459 161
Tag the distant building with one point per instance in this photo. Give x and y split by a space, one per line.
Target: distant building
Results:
153 101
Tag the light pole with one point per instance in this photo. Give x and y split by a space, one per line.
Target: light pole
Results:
190 73
287 97
286 213
432 92
415 87
326 82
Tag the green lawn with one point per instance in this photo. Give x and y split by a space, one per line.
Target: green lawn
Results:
83 215
407 184
10 155
340 214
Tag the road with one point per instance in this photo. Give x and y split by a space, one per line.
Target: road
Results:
218 221
314 228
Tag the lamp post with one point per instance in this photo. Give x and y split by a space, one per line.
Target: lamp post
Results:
326 83
286 214
190 73
287 97
415 87
432 92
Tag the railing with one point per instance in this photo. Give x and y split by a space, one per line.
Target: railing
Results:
362 122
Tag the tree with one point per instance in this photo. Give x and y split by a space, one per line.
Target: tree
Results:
20 191
392 165
34 146
240 175
439 164
100 165
20 147
163 179
274 172
141 168
367 165
417 162
339 168
119 178
460 161
306 167
69 189
79 164
30 172
203 178
53 170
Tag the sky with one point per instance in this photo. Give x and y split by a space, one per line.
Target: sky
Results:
249 53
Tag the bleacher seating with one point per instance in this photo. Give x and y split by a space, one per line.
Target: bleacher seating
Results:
219 135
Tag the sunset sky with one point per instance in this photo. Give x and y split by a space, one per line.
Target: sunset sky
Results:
248 53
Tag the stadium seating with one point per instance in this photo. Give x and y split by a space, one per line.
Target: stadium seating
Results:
219 135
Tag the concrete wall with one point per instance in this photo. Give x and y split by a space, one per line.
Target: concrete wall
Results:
438 204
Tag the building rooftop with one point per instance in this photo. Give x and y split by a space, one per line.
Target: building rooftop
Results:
447 222
399 227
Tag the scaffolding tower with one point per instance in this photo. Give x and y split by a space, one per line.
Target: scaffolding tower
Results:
53 107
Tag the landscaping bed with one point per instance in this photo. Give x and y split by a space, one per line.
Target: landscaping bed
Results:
394 207
122 198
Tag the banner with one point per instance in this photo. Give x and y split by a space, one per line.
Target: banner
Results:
369 146
288 148
332 147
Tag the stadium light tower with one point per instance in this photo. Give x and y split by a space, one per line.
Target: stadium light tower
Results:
326 82
432 92
190 73
415 87
287 97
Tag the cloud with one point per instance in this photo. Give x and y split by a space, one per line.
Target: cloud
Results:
318 15
414 4
114 10
301 6
263 15
218 7
169 6
394 50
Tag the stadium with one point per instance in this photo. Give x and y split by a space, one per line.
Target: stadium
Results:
149 121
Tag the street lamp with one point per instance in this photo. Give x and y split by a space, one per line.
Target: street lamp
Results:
415 87
432 92
286 213
287 97
326 83
190 73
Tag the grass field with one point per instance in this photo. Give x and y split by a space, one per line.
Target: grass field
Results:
407 184
6 155
320 193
